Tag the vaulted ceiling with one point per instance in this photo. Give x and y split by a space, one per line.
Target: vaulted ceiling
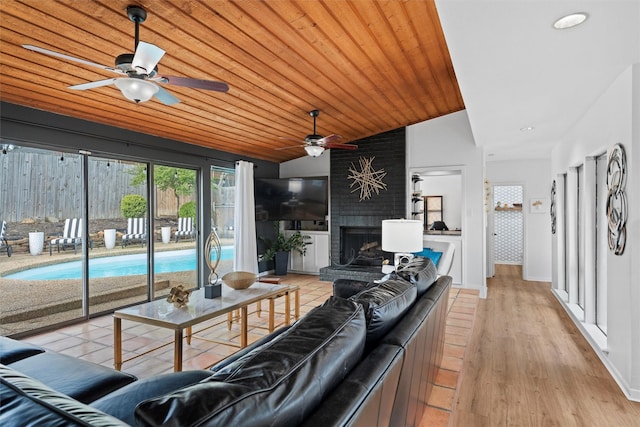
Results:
368 66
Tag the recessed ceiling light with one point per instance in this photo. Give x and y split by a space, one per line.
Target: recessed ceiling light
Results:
570 21
527 128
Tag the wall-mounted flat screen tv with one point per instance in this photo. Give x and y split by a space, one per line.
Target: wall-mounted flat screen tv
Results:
291 199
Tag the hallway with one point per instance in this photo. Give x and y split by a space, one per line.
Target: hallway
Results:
528 365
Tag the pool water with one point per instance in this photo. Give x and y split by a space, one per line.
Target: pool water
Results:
120 265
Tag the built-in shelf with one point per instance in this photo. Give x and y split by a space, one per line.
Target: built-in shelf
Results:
509 209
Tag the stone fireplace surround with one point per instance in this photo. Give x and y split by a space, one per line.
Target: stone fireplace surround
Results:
348 211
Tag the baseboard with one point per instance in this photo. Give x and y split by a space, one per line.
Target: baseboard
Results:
537 279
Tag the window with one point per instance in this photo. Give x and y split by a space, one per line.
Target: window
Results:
433 210
223 186
580 236
601 243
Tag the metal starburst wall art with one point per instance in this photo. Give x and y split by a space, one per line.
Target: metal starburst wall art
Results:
366 179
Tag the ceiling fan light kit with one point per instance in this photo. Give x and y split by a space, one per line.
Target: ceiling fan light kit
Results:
314 150
137 90
140 79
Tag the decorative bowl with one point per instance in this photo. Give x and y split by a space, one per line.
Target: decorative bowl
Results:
239 279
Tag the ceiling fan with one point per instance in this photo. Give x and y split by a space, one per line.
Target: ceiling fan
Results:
140 79
315 144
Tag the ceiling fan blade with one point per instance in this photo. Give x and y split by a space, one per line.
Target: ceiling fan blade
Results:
92 85
165 97
196 83
342 146
329 139
70 58
146 57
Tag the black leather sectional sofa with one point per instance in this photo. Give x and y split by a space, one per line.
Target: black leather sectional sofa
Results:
366 357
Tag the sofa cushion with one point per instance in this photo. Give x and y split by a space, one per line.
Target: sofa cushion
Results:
366 396
28 402
122 402
12 350
384 305
345 288
79 379
242 352
278 383
420 271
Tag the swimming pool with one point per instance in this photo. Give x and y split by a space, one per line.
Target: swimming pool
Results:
120 265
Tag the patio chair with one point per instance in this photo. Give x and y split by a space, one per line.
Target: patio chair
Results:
71 236
136 231
185 229
4 245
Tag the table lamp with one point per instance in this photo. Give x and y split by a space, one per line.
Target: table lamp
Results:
401 236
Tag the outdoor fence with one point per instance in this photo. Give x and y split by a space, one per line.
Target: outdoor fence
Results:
40 184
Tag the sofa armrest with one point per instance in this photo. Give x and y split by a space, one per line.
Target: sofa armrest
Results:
79 379
122 402
27 402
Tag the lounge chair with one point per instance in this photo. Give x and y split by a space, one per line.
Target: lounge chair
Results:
136 231
4 245
71 236
185 229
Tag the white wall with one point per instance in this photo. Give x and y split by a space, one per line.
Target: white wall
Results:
306 166
615 118
448 142
533 175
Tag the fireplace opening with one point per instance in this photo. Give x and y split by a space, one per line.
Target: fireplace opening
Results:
362 246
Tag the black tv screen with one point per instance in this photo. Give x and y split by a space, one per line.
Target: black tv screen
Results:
291 199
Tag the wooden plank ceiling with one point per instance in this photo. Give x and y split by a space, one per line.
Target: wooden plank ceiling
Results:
368 66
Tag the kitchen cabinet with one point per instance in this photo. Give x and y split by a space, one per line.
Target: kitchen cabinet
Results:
316 256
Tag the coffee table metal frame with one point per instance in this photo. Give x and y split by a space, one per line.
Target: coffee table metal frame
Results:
199 309
290 289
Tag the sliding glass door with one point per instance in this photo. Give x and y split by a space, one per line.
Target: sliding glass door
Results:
175 231
223 184
118 260
89 234
41 203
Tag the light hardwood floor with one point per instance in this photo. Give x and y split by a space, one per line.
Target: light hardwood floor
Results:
528 365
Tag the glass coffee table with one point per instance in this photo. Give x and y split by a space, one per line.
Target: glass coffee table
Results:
199 309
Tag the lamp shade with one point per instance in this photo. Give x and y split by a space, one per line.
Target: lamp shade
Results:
137 90
401 235
314 150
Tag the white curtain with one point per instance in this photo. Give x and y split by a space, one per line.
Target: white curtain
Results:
244 239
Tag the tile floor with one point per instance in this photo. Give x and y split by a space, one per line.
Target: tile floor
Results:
93 341
462 309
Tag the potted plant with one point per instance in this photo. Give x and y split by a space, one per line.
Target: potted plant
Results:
280 248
